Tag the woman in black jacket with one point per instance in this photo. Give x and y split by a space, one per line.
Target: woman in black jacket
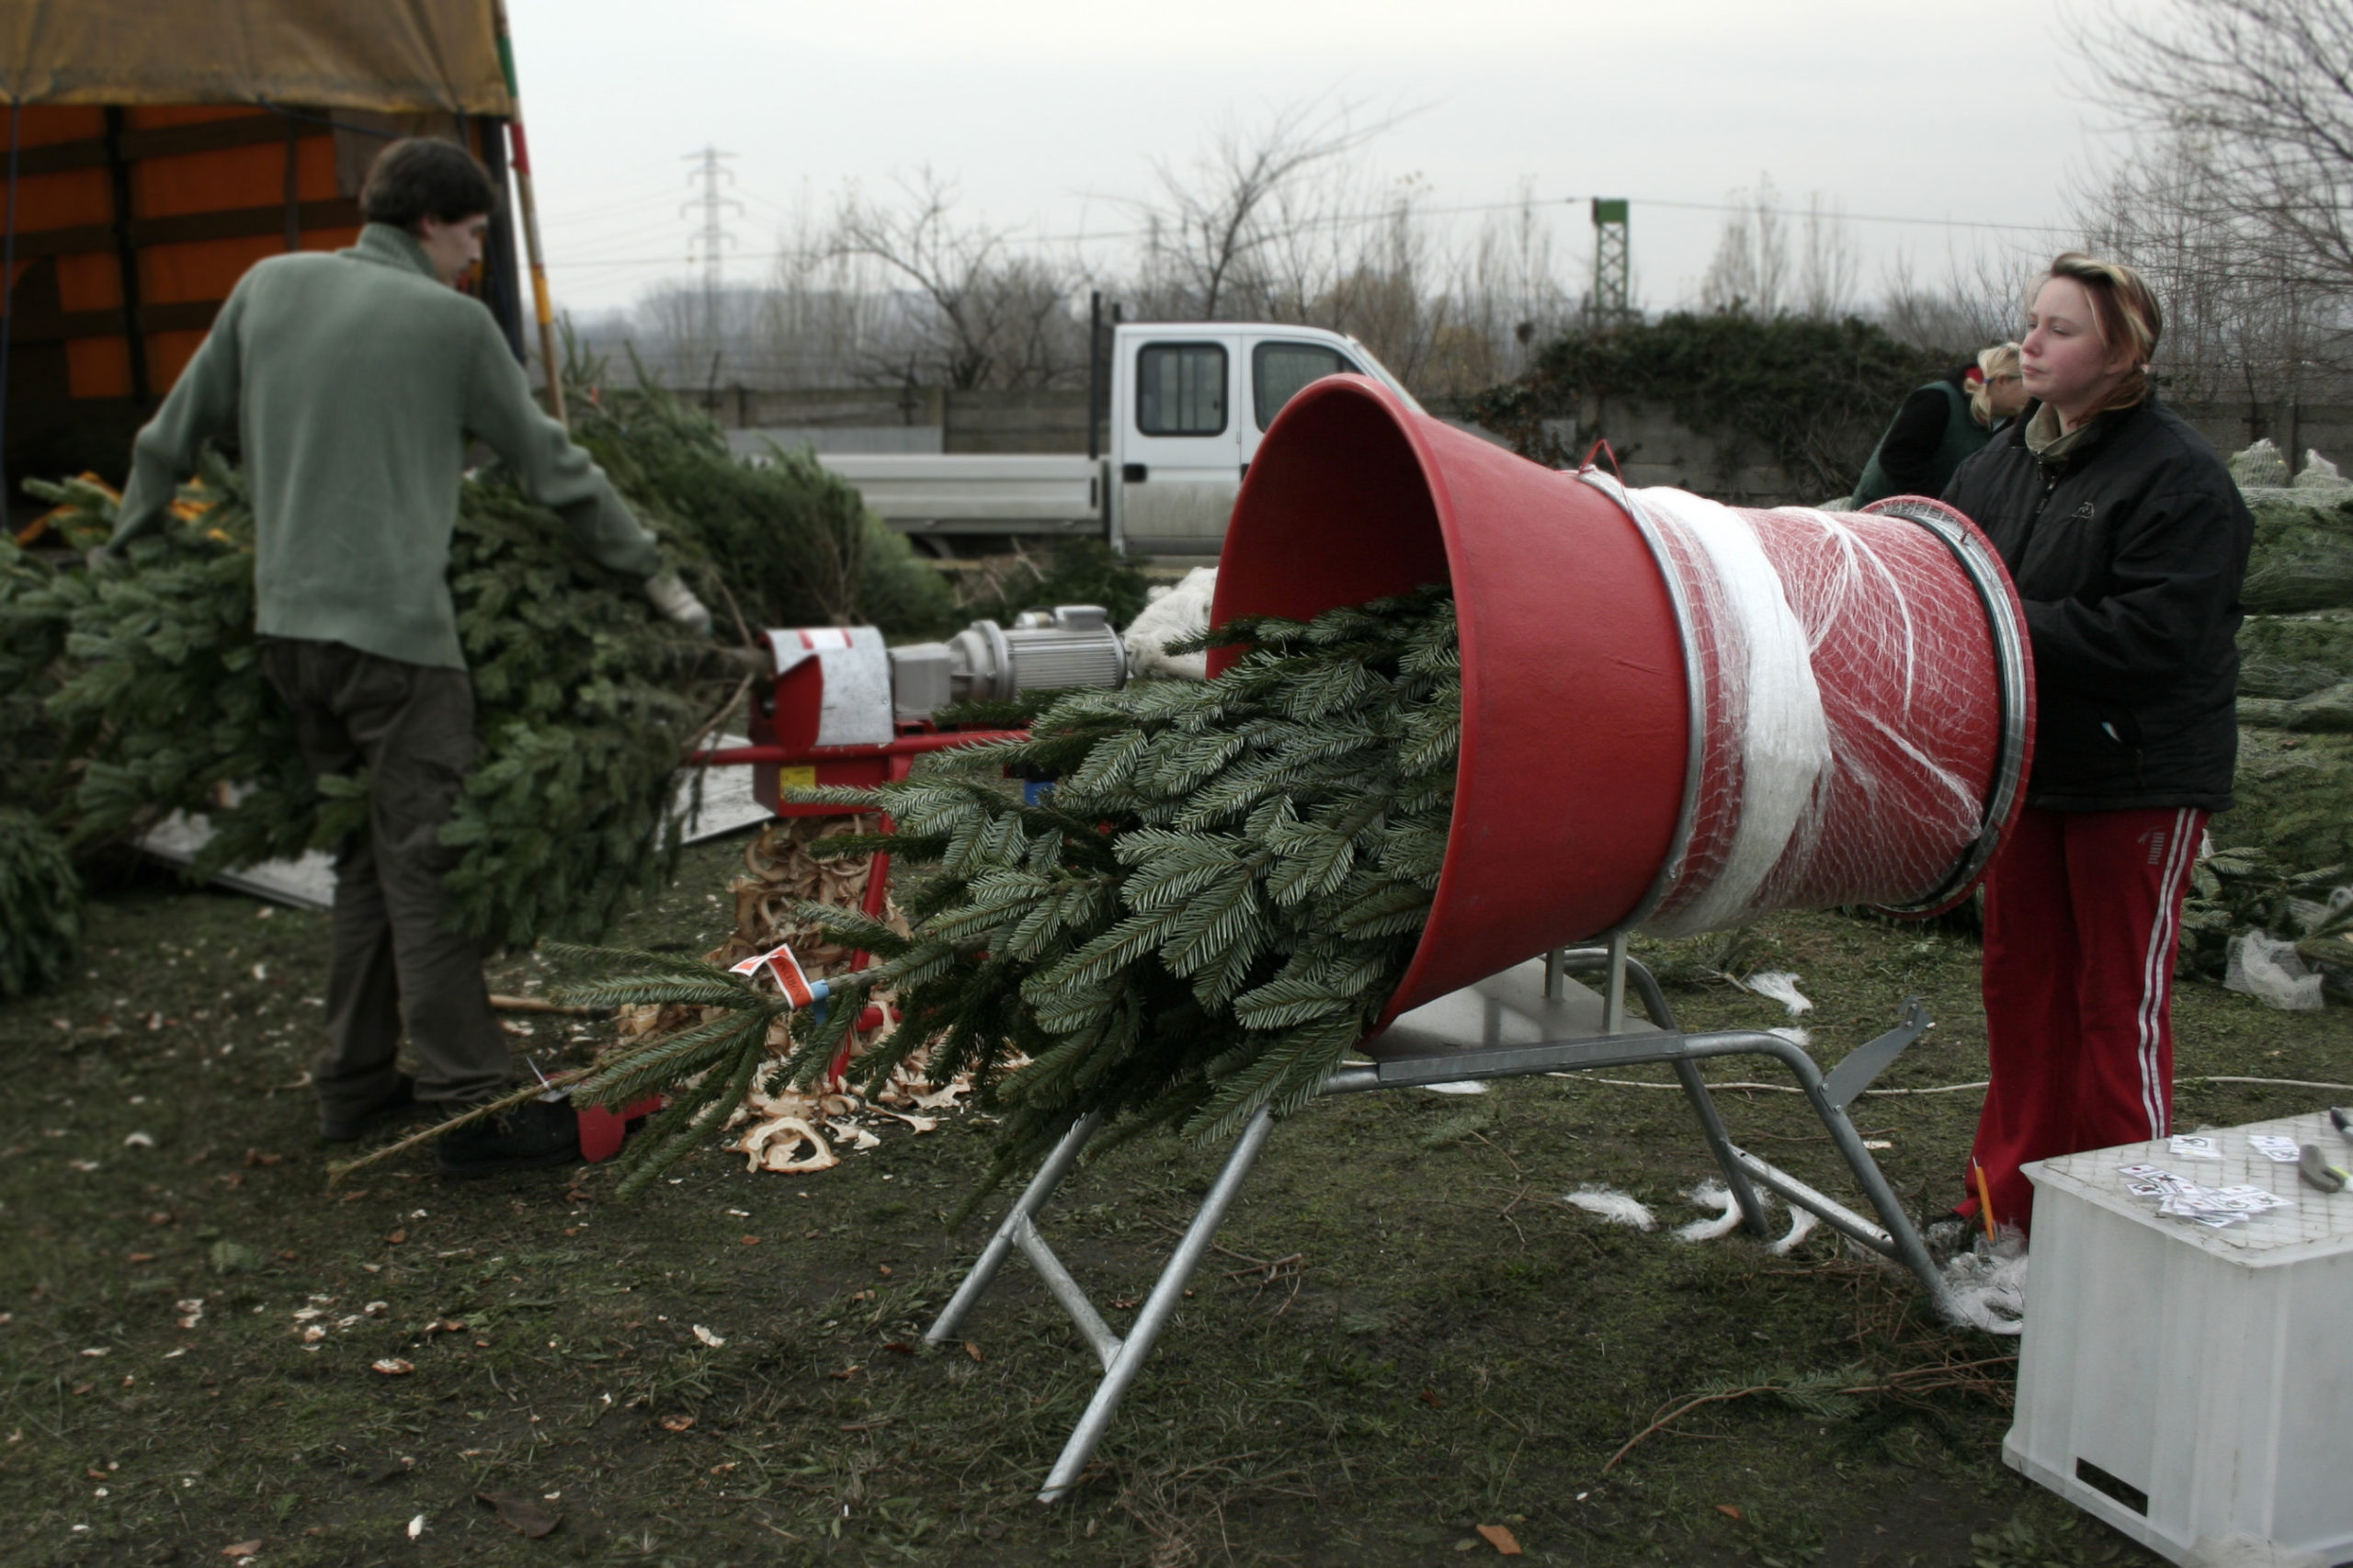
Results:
2127 539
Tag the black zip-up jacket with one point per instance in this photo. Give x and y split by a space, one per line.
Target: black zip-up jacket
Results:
2128 553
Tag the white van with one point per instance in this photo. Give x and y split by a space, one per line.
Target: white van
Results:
1189 402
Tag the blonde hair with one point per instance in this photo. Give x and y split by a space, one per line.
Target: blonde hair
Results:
1994 363
2125 310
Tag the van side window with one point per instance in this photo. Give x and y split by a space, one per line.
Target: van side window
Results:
1279 369
1180 389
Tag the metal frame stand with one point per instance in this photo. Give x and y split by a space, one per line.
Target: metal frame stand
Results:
1502 1027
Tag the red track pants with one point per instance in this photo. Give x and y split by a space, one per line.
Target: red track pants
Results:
2083 912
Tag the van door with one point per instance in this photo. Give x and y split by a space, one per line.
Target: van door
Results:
1180 455
1279 366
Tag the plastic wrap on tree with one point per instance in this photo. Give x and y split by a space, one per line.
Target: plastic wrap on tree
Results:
1677 715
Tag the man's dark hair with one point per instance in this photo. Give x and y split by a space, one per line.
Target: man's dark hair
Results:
420 177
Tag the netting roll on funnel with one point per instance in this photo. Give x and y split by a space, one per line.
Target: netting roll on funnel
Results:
1677 715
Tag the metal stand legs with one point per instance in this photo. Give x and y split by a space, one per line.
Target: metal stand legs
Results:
1122 1358
1526 1020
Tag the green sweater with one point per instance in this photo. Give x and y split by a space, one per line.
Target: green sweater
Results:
352 382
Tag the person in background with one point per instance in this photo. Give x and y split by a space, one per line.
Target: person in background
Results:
2127 541
1940 425
2000 393
352 382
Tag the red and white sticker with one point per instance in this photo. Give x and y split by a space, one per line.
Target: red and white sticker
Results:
781 962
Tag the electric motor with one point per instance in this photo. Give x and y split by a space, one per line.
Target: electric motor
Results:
1071 645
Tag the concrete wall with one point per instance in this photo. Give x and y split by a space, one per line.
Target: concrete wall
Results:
1653 448
2325 427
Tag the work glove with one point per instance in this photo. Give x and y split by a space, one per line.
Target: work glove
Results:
676 603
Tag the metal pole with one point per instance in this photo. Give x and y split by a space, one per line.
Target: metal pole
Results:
9 295
1613 1001
1094 370
126 261
1157 1310
1033 1197
520 161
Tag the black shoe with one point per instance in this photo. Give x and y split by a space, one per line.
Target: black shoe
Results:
347 1126
535 1133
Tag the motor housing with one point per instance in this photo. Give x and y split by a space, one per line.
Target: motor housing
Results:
1070 645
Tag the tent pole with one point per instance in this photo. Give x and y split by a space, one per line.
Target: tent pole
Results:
8 293
520 160
126 261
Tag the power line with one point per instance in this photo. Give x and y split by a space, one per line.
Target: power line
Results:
1106 235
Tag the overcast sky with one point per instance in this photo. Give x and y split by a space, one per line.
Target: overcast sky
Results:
1046 113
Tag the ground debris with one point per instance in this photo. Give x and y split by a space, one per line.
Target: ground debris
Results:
1608 1203
523 1514
1500 1539
793 1131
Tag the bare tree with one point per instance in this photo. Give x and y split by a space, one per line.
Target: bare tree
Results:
1828 266
1981 300
1508 301
1754 271
688 336
2237 326
1282 224
1211 228
995 316
834 316
1750 269
2256 97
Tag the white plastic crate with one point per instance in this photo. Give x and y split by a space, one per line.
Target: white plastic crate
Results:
2184 1383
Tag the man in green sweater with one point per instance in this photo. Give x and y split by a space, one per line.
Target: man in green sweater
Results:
352 382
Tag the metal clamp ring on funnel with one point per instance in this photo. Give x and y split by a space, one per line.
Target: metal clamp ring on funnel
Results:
1694 681
1986 576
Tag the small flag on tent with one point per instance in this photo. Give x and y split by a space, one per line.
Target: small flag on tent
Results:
781 962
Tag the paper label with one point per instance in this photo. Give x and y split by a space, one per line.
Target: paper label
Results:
799 777
2178 1198
779 962
2273 1147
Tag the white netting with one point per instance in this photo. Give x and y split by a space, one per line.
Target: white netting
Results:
1173 613
1852 712
2269 969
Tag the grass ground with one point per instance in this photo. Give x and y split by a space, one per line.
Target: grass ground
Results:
1407 1335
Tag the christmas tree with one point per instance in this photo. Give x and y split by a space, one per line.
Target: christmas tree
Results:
1212 903
128 694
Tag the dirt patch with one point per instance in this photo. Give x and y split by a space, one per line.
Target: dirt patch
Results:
1410 1337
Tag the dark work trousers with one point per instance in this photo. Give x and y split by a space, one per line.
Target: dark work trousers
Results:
2082 917
412 727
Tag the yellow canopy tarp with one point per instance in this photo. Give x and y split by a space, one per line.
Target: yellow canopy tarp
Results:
394 56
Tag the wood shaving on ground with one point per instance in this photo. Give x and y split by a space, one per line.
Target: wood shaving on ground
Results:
800 1132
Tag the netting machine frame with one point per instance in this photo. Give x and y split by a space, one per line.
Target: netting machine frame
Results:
1534 994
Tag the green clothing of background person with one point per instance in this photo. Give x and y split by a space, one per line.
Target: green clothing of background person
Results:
352 382
1939 426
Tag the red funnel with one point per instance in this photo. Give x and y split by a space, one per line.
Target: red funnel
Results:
1673 714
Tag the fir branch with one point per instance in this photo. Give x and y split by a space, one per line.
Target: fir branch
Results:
1215 903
